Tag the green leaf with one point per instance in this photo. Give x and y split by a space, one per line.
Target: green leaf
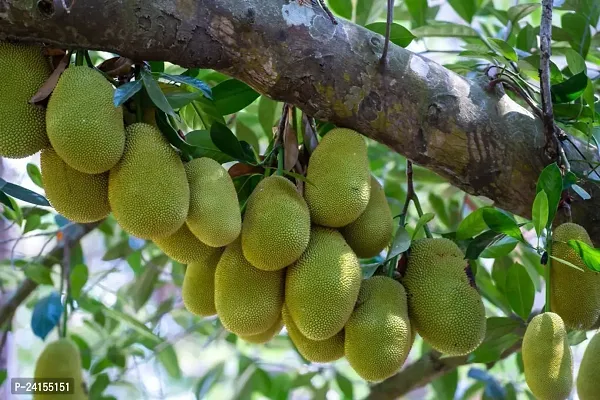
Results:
589 255
491 350
500 248
369 269
423 220
503 48
497 327
118 250
444 29
242 132
209 380
589 96
157 66
84 350
480 242
168 359
226 141
567 263
38 273
465 8
569 179
520 11
126 91
399 34
472 225
368 11
190 81
21 193
204 147
569 90
578 29
143 287
526 39
550 180
343 8
345 386
34 174
4 199
232 96
587 8
400 244
267 110
576 337
445 386
530 66
156 95
100 384
520 290
32 222
79 277
539 212
179 98
581 192
502 223
418 11
575 62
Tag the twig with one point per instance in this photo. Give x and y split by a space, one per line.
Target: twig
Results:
411 195
388 33
545 53
520 92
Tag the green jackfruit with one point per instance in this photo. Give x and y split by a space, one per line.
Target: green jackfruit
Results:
321 351
148 189
276 226
372 231
338 172
77 196
184 247
85 128
588 384
443 302
321 288
547 359
248 299
23 126
198 289
574 295
381 312
264 337
214 215
60 360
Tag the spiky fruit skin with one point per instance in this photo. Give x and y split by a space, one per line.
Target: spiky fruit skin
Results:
79 197
372 231
248 299
322 286
184 247
547 359
266 336
444 306
338 172
378 333
214 215
321 351
60 359
276 227
148 189
588 384
85 128
198 289
22 126
575 295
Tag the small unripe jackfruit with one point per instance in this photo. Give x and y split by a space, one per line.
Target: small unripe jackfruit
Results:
60 360
338 172
276 226
198 289
588 382
85 128
574 295
214 215
184 247
248 299
372 231
22 126
77 196
444 306
378 333
321 351
547 359
264 337
148 189
322 286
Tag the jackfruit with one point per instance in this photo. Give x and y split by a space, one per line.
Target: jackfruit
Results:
77 196
443 303
372 231
148 189
276 226
214 215
574 295
248 299
321 351
60 360
198 289
321 288
378 333
23 125
85 128
588 384
184 247
264 337
547 359
339 179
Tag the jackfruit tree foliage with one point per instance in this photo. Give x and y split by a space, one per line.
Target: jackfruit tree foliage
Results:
60 360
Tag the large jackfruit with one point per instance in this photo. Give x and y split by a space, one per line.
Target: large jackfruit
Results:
322 286
148 189
22 126
184 247
276 226
77 196
443 303
60 360
321 351
378 333
214 215
198 289
372 231
248 299
84 126
574 295
338 172
547 359
264 337
588 382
